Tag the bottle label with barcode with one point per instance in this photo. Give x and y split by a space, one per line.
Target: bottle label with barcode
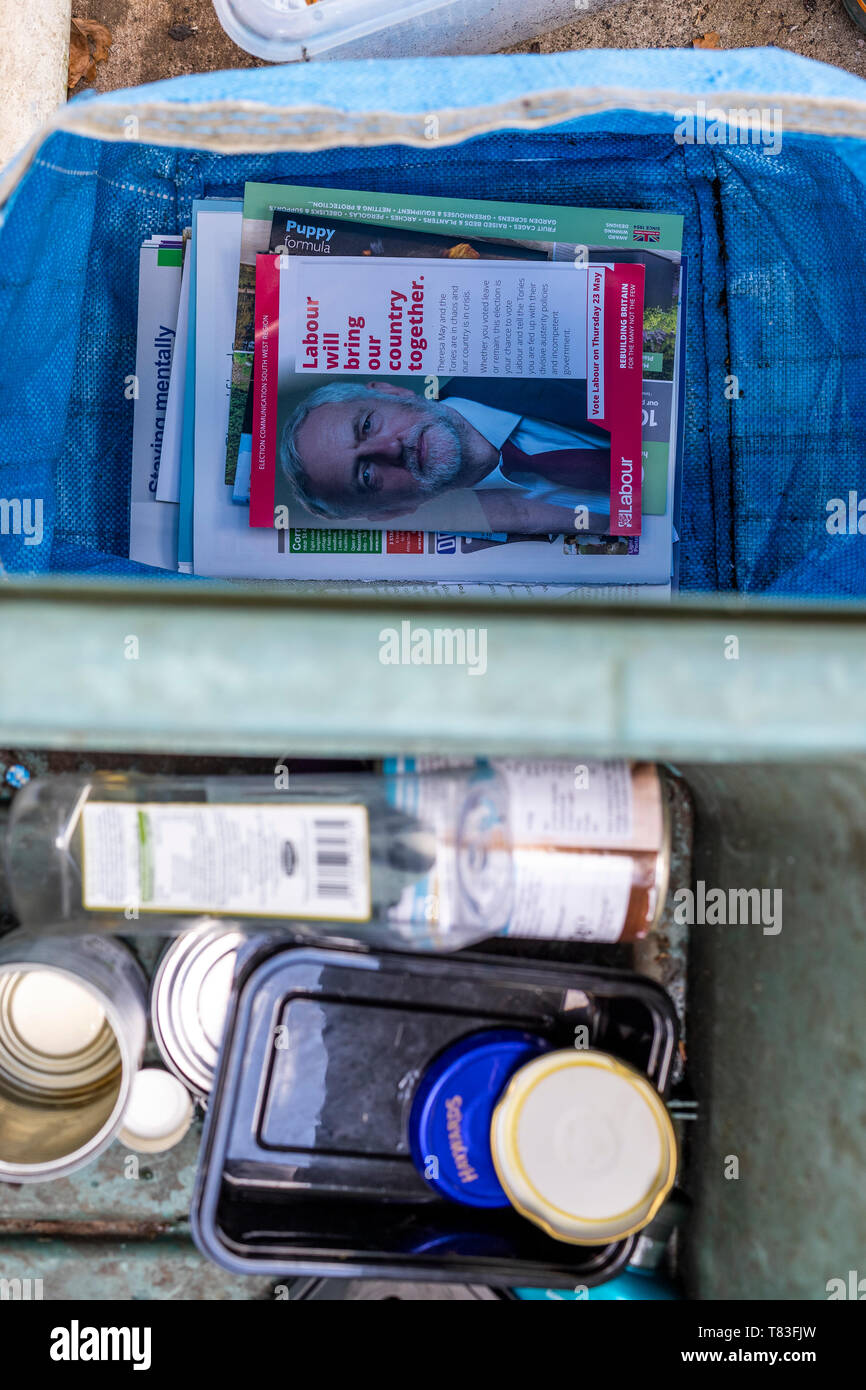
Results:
291 860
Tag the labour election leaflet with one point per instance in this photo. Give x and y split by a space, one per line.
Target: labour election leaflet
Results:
448 394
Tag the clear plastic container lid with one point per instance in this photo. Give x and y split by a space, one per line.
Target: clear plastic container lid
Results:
283 30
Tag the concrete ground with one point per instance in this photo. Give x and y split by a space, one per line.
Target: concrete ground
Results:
163 38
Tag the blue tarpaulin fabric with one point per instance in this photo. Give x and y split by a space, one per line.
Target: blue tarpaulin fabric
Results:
776 289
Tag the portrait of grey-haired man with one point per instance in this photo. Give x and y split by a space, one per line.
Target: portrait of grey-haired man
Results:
378 450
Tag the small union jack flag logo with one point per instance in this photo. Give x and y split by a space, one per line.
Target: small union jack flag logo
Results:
647 233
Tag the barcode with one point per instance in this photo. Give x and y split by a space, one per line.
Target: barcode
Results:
335 858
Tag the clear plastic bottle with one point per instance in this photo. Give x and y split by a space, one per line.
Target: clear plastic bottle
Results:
430 856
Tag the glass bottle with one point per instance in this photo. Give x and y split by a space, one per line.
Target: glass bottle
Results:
425 855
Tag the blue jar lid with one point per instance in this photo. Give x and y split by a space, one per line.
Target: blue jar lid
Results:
449 1124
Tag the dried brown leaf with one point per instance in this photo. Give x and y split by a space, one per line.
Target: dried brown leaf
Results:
79 58
100 37
710 40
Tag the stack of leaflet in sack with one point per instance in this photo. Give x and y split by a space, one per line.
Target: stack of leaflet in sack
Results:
500 289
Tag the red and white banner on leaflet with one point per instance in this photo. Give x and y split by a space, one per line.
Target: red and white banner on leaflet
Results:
614 382
265 391
427 321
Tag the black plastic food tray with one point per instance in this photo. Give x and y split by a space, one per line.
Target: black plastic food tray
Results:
305 1165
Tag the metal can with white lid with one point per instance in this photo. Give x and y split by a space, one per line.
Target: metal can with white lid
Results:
73 1025
583 1146
189 999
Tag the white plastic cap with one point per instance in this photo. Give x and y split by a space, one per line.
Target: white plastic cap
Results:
583 1146
159 1111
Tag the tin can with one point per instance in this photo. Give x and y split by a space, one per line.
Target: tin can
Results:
591 848
73 1025
189 1000
560 848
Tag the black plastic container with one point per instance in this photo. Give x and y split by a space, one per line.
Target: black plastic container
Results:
305 1166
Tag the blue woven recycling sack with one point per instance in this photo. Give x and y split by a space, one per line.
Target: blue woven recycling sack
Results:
775 219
